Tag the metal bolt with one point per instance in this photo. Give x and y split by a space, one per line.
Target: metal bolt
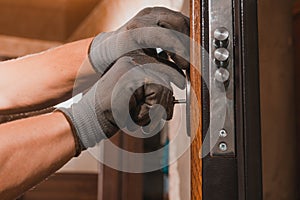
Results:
223 133
221 54
222 75
221 34
223 146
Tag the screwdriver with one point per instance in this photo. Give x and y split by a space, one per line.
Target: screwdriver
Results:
179 101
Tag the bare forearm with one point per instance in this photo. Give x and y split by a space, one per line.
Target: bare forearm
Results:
43 80
31 150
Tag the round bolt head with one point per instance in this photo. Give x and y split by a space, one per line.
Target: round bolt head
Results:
222 75
223 146
221 54
221 34
223 133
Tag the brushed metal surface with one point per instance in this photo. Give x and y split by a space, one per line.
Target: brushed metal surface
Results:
221 98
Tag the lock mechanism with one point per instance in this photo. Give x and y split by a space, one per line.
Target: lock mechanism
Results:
221 79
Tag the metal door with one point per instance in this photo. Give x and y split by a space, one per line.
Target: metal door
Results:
227 31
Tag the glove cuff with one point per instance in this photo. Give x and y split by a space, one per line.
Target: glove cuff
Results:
97 51
79 147
85 125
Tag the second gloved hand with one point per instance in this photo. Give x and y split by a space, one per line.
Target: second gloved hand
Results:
156 27
135 92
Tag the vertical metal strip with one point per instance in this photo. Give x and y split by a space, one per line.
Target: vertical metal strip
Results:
220 178
221 78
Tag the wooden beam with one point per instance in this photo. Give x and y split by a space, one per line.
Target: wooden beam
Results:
110 15
95 22
196 121
16 46
53 20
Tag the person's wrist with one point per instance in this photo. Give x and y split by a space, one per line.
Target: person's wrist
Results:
78 147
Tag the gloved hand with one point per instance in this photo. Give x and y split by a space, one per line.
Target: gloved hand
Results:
151 28
126 98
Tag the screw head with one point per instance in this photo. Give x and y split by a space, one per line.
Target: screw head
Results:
223 133
223 146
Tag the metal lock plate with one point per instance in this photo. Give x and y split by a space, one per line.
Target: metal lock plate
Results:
221 78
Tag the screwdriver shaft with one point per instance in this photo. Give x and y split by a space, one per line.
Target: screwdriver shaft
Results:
179 101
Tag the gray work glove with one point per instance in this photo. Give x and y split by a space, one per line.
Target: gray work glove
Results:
126 98
151 28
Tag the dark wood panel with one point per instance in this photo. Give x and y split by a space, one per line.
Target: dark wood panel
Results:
65 186
110 185
118 185
296 33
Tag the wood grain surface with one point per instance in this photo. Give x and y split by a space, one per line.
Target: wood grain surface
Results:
196 125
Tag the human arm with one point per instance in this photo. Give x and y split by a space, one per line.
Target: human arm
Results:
45 79
31 150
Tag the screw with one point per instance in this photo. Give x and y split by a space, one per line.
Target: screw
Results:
223 133
223 146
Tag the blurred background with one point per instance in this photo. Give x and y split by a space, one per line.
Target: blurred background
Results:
31 26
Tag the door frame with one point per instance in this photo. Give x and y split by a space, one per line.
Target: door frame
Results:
238 177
